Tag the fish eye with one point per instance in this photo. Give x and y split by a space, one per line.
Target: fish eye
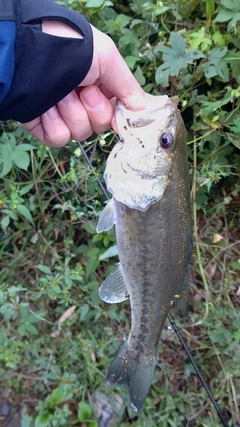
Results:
166 140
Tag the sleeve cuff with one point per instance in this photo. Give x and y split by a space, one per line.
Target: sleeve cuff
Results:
47 67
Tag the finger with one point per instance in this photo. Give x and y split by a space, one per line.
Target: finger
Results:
50 128
122 84
99 109
114 73
75 116
114 124
106 92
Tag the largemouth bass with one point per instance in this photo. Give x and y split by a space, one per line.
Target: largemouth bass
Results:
147 174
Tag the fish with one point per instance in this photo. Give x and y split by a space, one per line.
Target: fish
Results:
148 177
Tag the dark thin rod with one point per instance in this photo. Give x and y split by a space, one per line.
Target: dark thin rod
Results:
92 169
198 372
173 324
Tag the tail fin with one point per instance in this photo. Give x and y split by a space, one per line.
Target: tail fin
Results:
126 370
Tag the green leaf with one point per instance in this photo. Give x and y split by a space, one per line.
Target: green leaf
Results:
20 158
25 189
53 291
175 58
59 394
199 39
209 107
122 20
161 10
94 3
84 411
231 4
24 312
42 420
224 16
162 76
24 211
215 66
9 140
5 159
90 228
139 76
233 23
92 264
131 61
10 153
92 252
15 289
83 312
236 127
178 43
110 252
231 14
217 53
27 327
22 329
5 222
25 147
44 269
128 40
2 297
218 38
26 420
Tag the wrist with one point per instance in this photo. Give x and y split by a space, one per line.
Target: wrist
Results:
60 29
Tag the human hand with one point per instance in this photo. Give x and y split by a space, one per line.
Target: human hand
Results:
90 108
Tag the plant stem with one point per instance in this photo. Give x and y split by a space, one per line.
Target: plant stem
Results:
195 226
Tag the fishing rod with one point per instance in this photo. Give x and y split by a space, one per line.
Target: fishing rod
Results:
170 318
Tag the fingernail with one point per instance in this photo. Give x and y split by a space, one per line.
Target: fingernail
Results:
92 97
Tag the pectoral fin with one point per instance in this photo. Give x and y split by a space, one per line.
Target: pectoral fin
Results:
114 288
106 219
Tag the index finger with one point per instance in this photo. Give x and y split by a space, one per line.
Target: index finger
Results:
114 73
120 81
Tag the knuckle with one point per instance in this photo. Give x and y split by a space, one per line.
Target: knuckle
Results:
59 139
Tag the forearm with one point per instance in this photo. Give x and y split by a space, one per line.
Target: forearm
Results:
46 54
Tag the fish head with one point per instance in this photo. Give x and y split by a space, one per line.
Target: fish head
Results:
139 168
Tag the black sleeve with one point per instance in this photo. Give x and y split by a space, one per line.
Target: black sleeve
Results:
46 67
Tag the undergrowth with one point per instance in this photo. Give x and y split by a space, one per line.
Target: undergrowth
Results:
57 337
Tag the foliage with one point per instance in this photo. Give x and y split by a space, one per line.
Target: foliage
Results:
57 337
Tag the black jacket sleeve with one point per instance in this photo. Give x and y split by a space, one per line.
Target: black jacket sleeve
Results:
46 68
